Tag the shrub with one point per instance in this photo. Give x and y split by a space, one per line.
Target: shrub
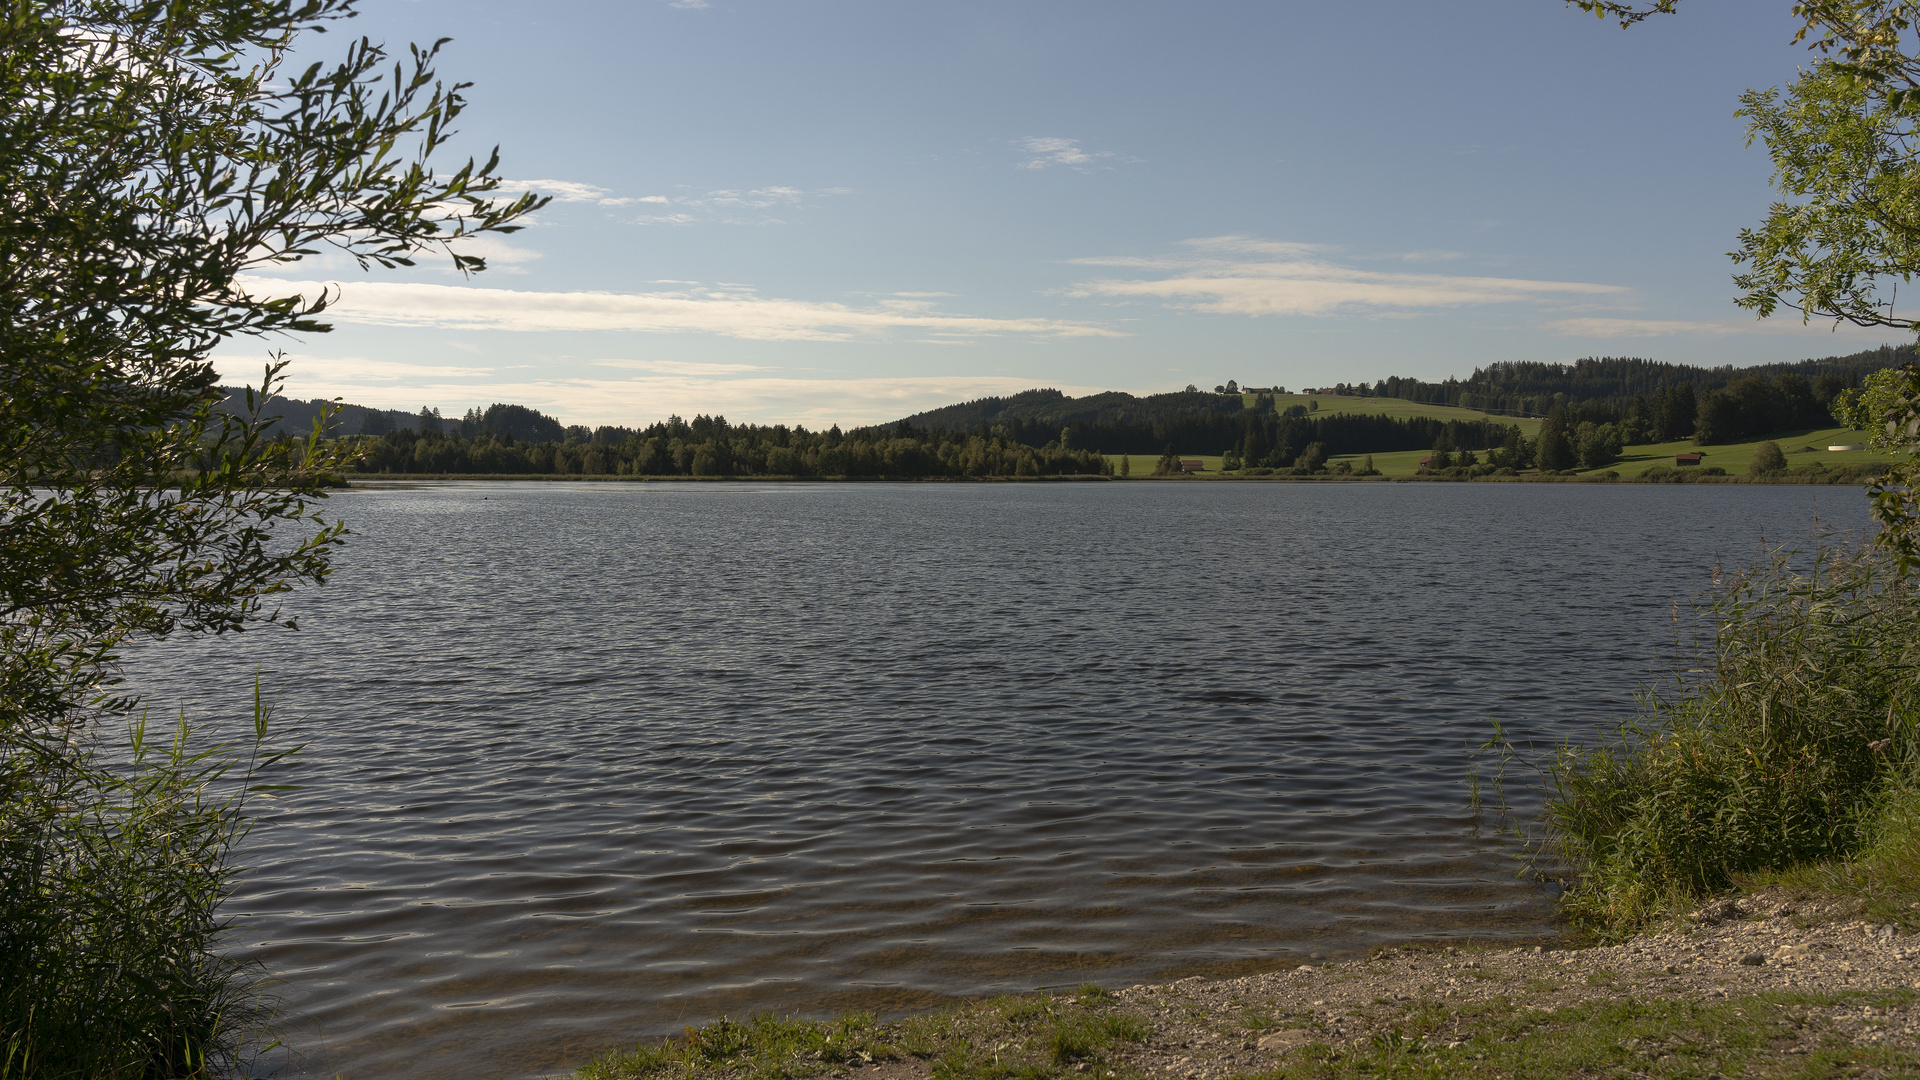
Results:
1773 753
112 873
1767 460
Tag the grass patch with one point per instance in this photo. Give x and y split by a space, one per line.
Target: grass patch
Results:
1027 1037
1775 1035
1768 1035
1883 877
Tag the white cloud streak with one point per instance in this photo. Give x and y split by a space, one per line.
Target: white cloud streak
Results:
643 398
1050 152
1234 275
726 311
1614 327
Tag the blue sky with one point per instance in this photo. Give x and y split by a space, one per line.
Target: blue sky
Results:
844 211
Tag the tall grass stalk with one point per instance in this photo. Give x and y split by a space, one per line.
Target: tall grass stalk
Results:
114 862
1782 749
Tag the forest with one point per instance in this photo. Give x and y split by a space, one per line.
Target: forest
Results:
1043 432
1605 387
708 446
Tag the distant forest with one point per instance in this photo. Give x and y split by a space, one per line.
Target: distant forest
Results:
710 446
1616 401
1605 387
1645 400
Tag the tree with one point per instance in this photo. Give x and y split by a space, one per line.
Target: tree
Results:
1767 460
1312 459
1888 409
151 154
1126 464
1845 142
1553 450
1598 445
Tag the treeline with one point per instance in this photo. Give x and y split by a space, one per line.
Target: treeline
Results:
710 446
1605 387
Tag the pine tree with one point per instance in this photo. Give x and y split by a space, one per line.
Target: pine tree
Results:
1555 452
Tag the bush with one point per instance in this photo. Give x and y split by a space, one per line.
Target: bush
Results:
1774 753
1767 460
111 879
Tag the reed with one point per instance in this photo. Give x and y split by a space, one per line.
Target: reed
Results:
1789 744
114 862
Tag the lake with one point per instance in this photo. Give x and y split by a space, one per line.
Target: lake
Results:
589 762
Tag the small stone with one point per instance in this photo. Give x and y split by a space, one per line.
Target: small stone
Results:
1283 1041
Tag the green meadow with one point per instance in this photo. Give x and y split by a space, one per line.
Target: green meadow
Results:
1801 447
1394 407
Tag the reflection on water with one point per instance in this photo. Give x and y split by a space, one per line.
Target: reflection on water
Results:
593 761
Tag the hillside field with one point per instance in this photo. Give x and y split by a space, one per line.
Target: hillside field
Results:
1395 407
1732 457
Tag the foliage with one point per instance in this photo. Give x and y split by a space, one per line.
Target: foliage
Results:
1776 753
1843 141
1768 459
710 446
114 875
1889 410
152 155
1552 449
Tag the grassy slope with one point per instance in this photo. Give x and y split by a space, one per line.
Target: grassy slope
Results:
1732 457
1142 464
1401 409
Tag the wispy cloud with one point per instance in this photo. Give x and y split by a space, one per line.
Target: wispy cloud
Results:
572 191
649 395
734 206
1049 152
726 206
502 257
1612 327
689 5
730 311
680 367
1638 328
1236 275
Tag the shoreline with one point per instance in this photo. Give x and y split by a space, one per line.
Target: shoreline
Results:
1775 982
357 479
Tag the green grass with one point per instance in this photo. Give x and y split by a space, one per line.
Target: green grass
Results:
1786 1035
1395 407
1142 464
1883 878
1772 1035
1733 457
1030 1037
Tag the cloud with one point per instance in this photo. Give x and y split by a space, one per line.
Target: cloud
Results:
689 5
1236 275
641 399
1644 328
1049 152
501 256
724 205
680 367
727 311
1599 327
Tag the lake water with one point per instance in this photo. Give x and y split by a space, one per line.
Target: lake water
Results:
592 761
